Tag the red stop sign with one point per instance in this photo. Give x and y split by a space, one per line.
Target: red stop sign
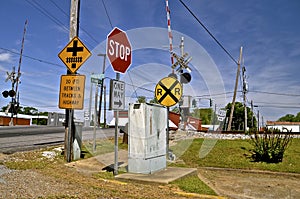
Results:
118 50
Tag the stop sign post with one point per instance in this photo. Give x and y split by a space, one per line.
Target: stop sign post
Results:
118 50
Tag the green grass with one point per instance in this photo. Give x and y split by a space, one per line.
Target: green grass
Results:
102 146
31 160
236 154
193 184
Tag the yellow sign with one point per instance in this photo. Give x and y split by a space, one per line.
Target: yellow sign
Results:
168 91
71 93
74 54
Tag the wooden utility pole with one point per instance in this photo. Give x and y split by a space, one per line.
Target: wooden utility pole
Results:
69 126
235 90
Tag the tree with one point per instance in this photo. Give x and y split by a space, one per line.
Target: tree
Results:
239 116
205 114
154 101
30 111
141 99
290 118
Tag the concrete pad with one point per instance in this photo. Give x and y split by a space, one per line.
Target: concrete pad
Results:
164 176
98 163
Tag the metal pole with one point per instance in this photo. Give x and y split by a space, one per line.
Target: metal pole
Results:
95 118
101 88
168 131
252 113
258 121
90 104
104 105
214 118
181 71
116 136
11 123
235 90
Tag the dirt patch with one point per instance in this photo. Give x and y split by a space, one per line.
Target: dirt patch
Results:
2 157
240 184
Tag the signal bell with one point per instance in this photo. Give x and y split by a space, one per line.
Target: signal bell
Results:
185 78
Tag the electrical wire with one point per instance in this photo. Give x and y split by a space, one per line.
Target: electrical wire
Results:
206 29
106 12
44 11
38 7
67 15
33 58
278 103
59 8
276 106
273 93
215 94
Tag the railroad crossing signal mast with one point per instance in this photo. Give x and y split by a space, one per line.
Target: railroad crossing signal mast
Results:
185 77
15 80
13 105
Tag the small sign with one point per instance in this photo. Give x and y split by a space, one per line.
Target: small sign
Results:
96 78
168 91
117 95
74 54
95 81
71 95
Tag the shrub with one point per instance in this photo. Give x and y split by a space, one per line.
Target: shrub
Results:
270 145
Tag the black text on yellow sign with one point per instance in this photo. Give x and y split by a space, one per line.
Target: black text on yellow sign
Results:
74 54
168 91
71 95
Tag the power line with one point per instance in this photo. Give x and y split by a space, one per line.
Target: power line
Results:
278 103
107 14
65 13
56 20
215 94
276 106
273 93
33 58
47 14
205 28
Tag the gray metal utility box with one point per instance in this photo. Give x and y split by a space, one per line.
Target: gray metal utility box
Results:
147 128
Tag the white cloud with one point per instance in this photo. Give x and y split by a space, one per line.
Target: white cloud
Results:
5 57
2 68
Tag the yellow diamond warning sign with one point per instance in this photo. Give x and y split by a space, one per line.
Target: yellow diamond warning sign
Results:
168 91
74 54
71 95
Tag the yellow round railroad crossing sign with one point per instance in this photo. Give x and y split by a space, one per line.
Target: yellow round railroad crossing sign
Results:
168 91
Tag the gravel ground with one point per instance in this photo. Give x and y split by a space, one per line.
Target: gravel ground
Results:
65 181
62 181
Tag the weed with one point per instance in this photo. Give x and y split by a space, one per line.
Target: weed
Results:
270 146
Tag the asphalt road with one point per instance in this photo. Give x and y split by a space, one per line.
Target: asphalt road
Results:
22 138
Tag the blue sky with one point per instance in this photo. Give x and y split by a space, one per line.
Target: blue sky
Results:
268 31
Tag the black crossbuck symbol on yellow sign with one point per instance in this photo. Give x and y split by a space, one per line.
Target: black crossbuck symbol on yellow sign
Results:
168 91
74 54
